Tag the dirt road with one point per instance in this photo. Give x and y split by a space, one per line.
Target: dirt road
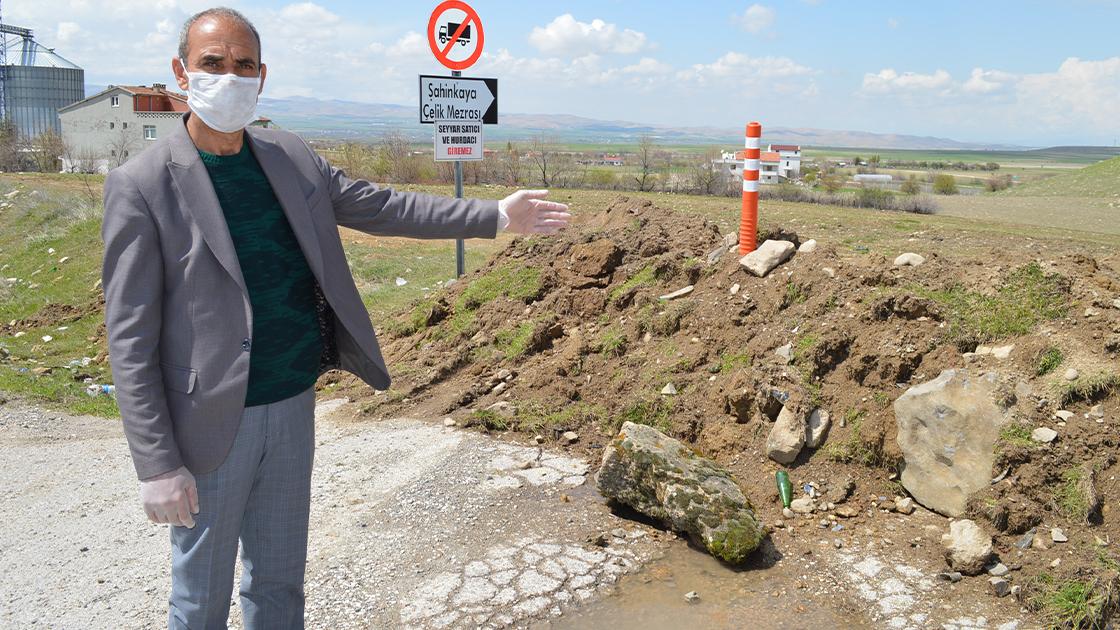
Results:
413 524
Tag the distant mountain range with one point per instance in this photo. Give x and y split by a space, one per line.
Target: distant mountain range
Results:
351 120
366 121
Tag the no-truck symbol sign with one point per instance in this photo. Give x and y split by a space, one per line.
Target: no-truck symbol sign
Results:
455 34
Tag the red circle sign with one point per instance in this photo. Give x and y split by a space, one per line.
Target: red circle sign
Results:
445 34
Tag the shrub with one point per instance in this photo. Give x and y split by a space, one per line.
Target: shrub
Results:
945 184
998 183
911 185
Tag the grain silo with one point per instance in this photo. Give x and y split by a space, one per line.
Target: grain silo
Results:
35 82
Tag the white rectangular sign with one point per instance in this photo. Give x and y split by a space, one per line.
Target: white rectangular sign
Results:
458 140
458 99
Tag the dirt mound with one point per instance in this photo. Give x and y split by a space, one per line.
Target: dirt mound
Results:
577 333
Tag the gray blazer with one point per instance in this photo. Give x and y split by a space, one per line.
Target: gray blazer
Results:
176 307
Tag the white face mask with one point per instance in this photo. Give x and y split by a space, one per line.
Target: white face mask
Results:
225 102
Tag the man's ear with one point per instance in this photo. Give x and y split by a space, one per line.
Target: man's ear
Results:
180 73
264 72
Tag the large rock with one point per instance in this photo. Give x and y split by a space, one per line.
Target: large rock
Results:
665 480
967 547
947 430
768 255
787 437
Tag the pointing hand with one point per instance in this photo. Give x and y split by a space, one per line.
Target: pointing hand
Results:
529 213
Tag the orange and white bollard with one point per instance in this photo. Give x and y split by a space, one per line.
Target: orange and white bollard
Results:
748 224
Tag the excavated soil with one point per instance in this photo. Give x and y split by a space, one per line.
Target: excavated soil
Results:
572 334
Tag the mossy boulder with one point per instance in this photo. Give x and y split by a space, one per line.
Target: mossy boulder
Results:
662 478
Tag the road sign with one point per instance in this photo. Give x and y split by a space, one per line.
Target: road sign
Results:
458 141
455 34
458 99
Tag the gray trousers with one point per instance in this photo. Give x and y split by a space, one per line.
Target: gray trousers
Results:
261 494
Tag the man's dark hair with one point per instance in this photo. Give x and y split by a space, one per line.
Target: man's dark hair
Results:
221 12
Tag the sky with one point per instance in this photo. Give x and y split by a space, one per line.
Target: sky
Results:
1015 72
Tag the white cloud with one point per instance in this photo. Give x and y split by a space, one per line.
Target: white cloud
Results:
888 81
983 81
567 36
892 22
756 18
67 31
1081 93
648 66
746 68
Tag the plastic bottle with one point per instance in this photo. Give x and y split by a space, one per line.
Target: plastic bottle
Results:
785 490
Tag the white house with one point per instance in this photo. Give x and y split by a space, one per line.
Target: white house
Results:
780 162
789 159
118 123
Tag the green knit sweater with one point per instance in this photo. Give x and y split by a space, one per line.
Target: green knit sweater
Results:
285 348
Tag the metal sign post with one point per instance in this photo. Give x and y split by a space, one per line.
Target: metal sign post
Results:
456 37
460 244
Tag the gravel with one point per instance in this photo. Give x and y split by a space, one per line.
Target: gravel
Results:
412 523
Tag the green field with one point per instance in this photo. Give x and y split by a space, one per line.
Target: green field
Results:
1052 157
1097 180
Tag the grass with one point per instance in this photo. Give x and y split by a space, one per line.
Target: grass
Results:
1027 297
795 294
67 222
1070 496
536 418
514 342
613 342
1071 604
489 420
853 449
520 284
656 413
1017 434
731 361
1049 361
645 276
1097 180
804 344
1085 387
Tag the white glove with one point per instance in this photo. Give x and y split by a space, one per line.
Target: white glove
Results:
170 498
528 213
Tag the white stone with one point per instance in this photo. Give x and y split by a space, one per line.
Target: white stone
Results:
1058 536
803 505
829 271
909 259
735 289
669 390
947 431
678 293
787 437
769 255
819 423
808 247
1064 415
1044 435
968 547
570 437
785 352
448 422
1072 374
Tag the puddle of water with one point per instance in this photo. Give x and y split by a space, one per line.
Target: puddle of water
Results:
653 599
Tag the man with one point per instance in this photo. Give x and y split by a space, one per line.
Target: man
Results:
227 293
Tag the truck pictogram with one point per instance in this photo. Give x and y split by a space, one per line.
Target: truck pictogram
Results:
447 30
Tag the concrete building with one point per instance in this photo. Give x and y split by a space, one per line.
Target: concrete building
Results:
779 163
116 124
789 160
35 82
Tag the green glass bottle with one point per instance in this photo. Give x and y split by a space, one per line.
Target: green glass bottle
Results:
785 490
